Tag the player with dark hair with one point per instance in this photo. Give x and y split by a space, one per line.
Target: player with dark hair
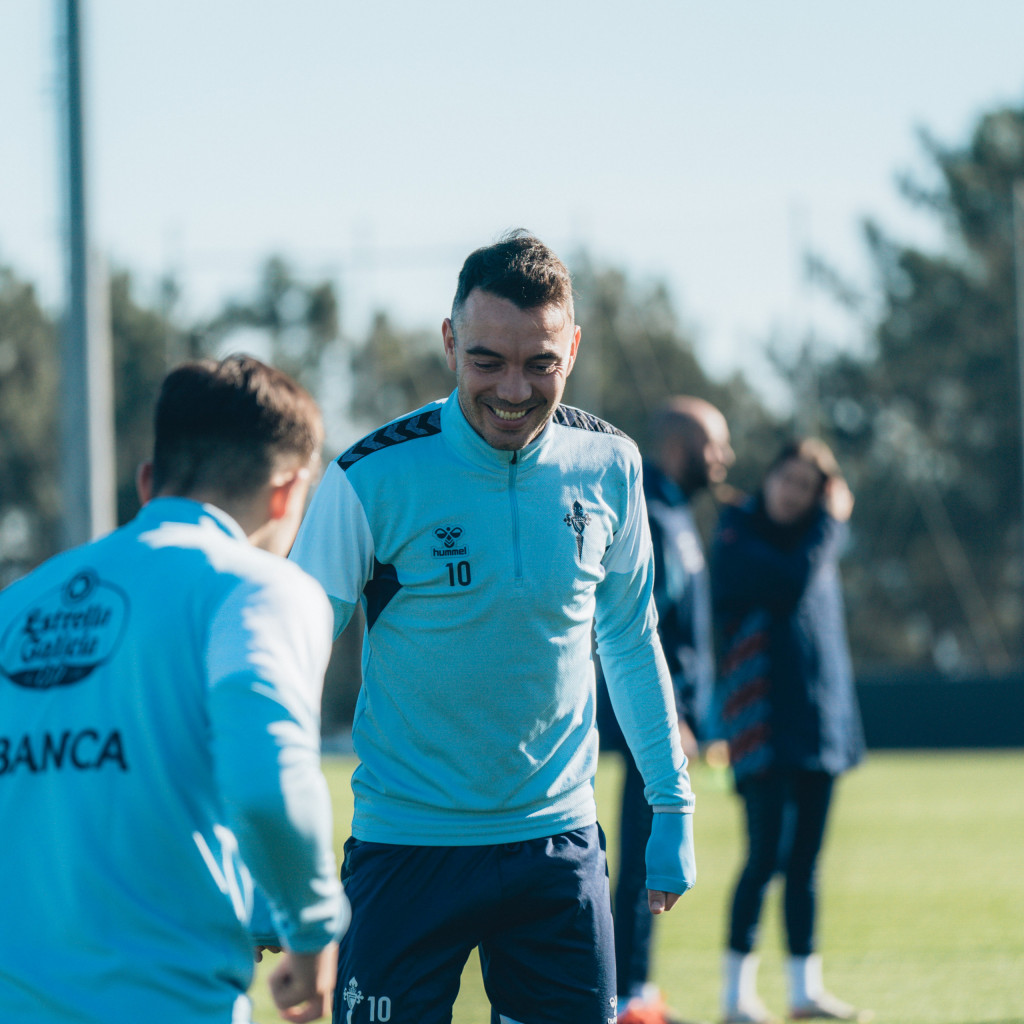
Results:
483 535
223 426
161 695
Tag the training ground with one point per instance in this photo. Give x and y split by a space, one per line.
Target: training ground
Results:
922 892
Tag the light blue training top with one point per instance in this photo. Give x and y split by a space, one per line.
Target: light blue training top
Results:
159 719
482 574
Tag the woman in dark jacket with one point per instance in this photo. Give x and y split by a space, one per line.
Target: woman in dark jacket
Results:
786 705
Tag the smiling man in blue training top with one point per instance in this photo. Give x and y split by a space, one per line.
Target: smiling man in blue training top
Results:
485 536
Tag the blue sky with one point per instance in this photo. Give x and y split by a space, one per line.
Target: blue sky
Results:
703 144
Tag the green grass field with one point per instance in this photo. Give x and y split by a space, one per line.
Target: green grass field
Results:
922 893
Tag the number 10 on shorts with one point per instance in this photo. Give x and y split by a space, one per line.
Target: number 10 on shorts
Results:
379 1006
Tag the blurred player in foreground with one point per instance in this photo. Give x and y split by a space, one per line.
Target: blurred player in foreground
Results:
483 534
690 451
161 693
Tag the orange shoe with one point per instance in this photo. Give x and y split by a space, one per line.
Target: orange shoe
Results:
650 1009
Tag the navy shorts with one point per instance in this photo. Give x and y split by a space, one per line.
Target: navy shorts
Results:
538 910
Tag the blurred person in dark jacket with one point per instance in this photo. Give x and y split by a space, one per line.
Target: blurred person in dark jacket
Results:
786 704
689 452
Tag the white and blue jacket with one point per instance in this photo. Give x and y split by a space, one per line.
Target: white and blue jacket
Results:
482 574
159 734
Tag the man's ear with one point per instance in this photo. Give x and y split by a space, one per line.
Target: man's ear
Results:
285 489
144 482
448 336
285 497
577 334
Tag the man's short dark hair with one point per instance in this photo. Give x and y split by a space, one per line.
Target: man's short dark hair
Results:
226 426
520 268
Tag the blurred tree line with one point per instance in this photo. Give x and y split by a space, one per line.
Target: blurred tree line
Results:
926 422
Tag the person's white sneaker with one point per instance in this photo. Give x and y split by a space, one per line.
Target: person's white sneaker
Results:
740 1002
751 1013
827 1007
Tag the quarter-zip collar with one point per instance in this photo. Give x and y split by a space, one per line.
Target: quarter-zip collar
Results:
456 429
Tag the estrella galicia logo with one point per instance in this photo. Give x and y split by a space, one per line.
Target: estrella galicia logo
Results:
449 538
578 520
65 634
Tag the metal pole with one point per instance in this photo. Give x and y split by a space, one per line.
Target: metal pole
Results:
87 435
1018 252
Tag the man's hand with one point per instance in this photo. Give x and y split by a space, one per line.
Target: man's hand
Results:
838 499
303 983
661 902
671 864
689 742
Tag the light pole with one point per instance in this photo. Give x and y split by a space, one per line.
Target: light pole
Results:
87 429
1018 258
